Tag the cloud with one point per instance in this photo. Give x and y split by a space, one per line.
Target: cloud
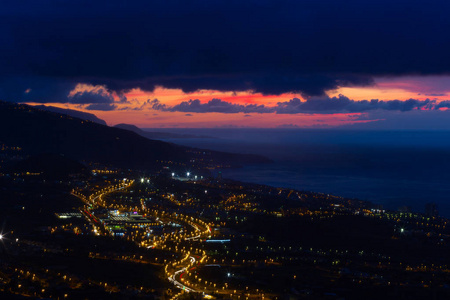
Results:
272 46
101 106
128 108
320 105
101 96
443 104
436 94
214 105
267 84
188 115
344 104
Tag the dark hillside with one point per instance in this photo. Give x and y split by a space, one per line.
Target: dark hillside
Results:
38 131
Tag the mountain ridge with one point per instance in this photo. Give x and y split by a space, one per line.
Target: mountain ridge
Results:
156 134
38 131
72 113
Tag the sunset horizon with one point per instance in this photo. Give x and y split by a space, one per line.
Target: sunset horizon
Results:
225 149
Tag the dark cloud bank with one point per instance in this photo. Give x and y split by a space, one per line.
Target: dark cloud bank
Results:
271 47
296 106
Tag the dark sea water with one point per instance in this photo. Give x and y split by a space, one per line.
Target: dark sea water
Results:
403 168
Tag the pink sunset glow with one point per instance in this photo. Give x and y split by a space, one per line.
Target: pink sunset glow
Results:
132 106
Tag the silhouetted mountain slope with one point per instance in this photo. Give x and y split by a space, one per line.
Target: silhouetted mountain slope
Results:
73 113
52 166
157 135
38 131
129 127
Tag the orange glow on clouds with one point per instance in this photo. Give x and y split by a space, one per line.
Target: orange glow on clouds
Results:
179 119
175 96
97 89
401 88
135 111
159 119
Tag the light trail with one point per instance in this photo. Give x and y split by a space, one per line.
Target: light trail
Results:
178 284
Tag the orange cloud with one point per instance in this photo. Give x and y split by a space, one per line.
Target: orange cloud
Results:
137 111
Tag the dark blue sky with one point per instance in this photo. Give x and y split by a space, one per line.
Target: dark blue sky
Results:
269 46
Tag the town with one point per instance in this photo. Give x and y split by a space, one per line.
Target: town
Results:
177 235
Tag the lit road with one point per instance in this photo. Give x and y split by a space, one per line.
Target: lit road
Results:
177 283
173 241
96 225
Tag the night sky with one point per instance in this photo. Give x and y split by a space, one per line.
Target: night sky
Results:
322 64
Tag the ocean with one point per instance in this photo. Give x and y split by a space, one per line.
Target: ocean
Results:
392 168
